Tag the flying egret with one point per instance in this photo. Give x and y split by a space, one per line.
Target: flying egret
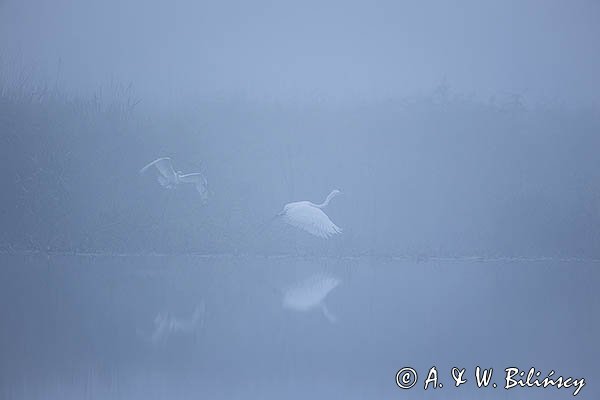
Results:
167 325
310 294
169 178
310 217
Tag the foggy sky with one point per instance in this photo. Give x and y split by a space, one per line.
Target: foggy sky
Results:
544 50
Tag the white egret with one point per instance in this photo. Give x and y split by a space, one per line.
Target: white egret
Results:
310 294
169 178
310 217
166 325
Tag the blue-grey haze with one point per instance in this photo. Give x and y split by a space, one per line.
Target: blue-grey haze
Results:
463 135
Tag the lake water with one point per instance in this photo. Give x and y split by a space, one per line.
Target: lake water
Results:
214 327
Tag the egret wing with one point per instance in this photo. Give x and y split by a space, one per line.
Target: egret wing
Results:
164 166
310 292
147 166
311 219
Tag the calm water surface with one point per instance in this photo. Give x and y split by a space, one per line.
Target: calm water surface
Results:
192 327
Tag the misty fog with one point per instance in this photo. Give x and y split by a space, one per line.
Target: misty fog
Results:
462 136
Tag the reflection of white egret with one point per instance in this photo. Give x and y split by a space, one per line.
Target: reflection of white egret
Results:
310 294
166 325
310 217
169 178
